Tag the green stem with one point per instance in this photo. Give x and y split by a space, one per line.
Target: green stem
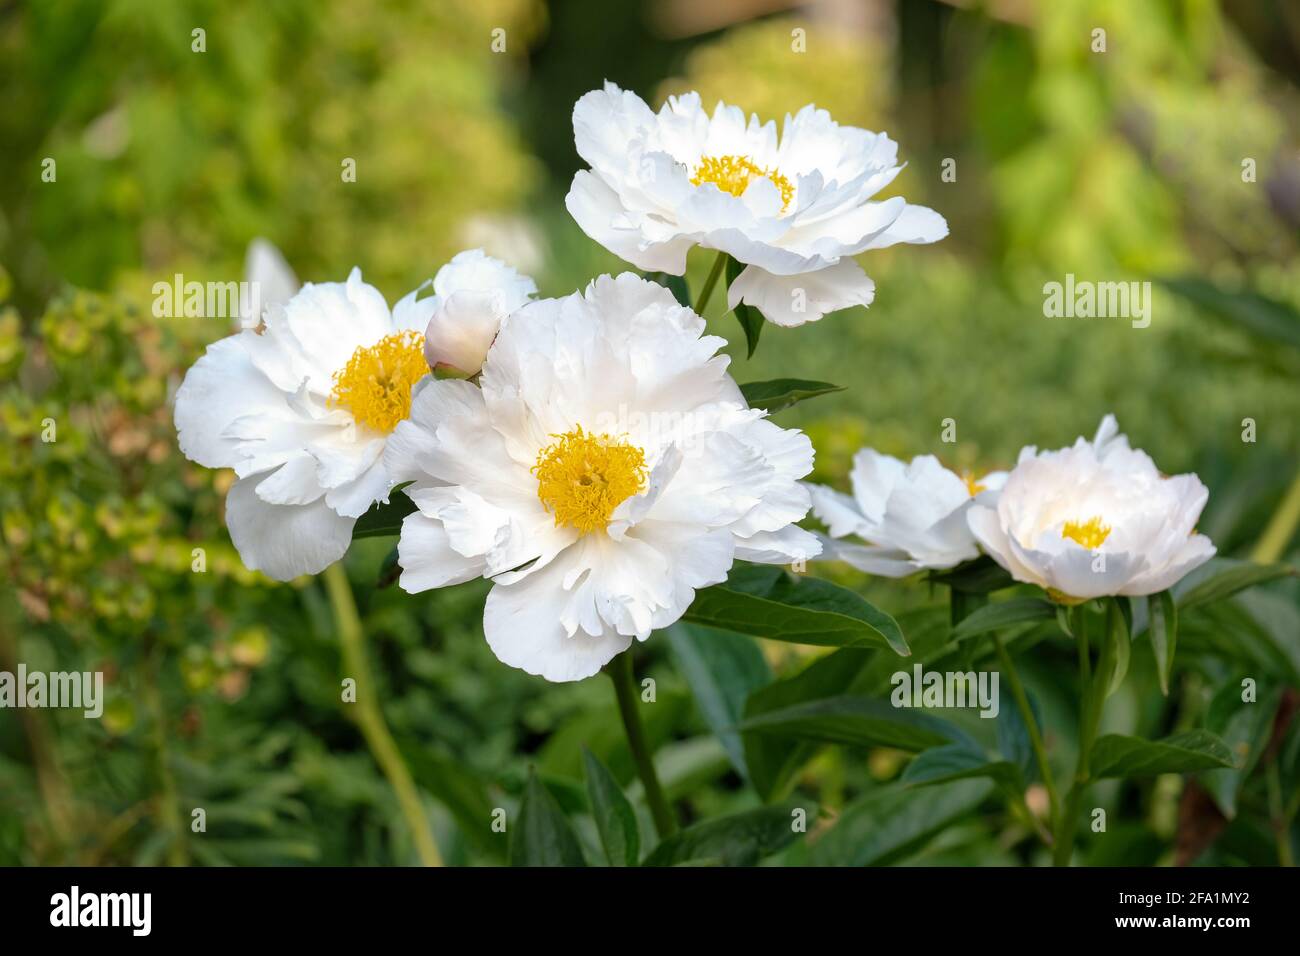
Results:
168 798
1281 819
1280 527
714 274
368 717
1092 695
1027 714
620 670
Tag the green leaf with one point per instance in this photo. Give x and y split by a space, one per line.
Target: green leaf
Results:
674 284
958 762
722 668
773 761
751 320
765 601
995 617
1224 578
1268 319
1116 755
613 813
741 839
384 520
1063 621
1246 727
389 571
1013 735
1162 618
893 821
781 393
856 721
980 576
1121 645
542 836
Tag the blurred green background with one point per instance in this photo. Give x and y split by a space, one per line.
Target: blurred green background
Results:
223 686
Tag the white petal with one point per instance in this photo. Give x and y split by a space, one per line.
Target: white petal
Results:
221 387
790 545
1196 551
475 271
881 561
605 122
354 498
985 525
427 558
413 310
293 483
272 281
462 329
521 622
597 210
1081 573
838 511
284 541
331 320
793 300
916 224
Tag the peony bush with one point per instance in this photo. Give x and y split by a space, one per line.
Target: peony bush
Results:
596 460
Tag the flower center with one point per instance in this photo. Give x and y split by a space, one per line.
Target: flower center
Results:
582 478
972 483
733 174
376 383
1090 533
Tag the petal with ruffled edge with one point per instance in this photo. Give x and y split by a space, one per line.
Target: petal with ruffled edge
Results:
597 210
284 541
521 622
427 558
220 388
793 300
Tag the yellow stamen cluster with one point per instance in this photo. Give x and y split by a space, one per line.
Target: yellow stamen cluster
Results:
1091 533
733 174
972 483
582 478
375 385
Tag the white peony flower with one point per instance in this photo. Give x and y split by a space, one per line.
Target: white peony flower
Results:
793 210
913 515
605 468
1094 519
301 408
271 282
472 294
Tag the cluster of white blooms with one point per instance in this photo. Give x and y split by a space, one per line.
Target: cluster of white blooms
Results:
1093 520
596 461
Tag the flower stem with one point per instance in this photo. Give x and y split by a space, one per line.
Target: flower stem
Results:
368 717
1281 819
1092 696
620 671
168 799
1027 714
1280 527
714 274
